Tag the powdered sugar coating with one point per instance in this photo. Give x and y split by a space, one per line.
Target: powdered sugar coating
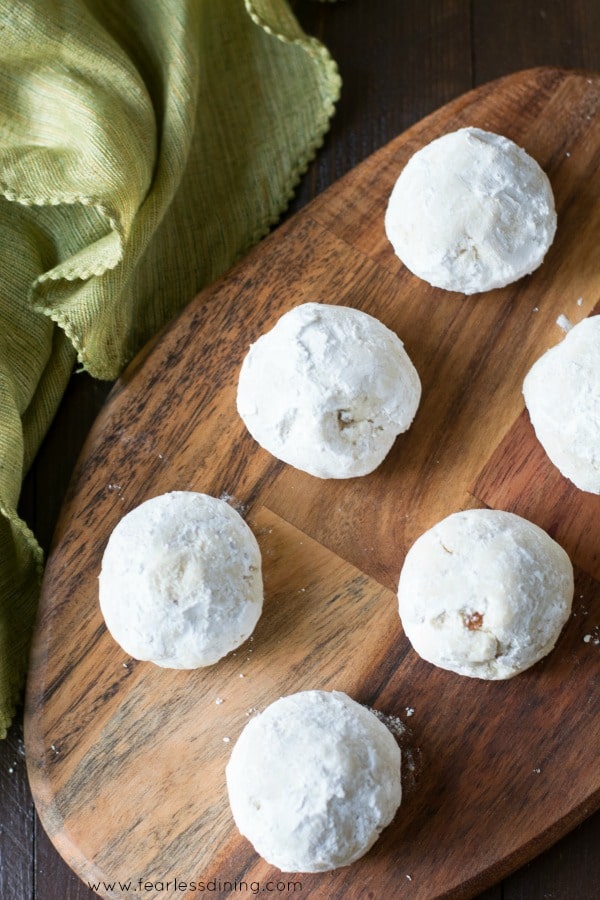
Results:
485 593
471 211
181 581
562 394
327 390
313 780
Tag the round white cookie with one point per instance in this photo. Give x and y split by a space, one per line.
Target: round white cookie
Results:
562 395
313 780
181 581
327 390
485 593
471 211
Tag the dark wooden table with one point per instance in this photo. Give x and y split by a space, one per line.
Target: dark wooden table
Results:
399 59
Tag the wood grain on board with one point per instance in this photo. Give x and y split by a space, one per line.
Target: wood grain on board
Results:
126 761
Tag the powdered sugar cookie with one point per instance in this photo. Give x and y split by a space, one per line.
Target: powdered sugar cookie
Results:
471 211
313 780
562 394
327 390
181 581
485 593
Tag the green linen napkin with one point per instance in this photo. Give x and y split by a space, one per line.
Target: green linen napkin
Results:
144 146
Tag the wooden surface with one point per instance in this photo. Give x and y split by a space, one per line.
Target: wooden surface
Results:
398 65
126 761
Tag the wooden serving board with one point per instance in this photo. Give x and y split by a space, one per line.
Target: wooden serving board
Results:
126 760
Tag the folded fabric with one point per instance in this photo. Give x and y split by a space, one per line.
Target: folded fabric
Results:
143 148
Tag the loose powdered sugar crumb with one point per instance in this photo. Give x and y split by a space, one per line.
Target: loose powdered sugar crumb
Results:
593 637
412 764
239 507
393 723
564 322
